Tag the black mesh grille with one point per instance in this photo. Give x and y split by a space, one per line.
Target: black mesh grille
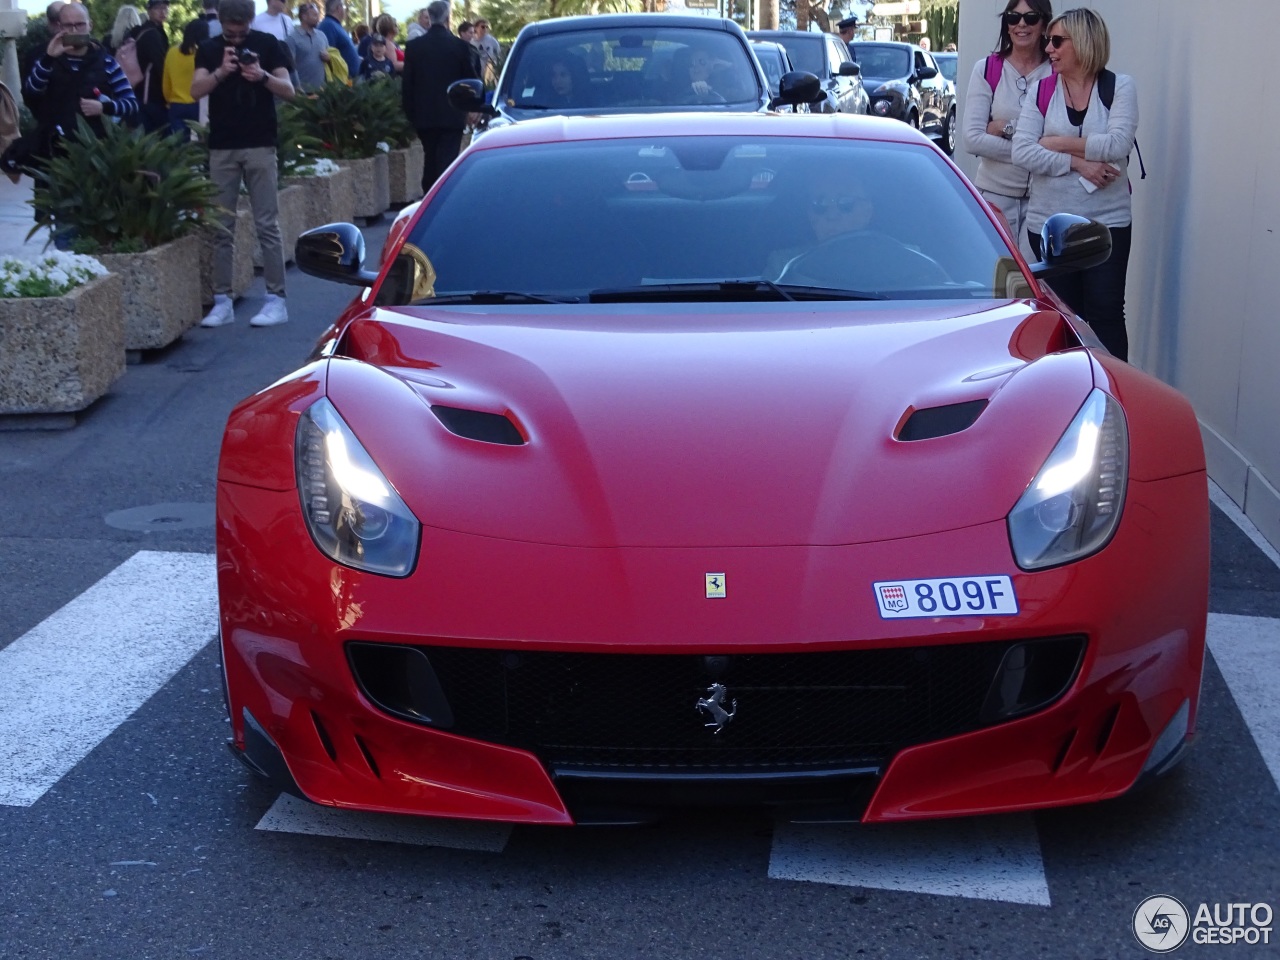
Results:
795 712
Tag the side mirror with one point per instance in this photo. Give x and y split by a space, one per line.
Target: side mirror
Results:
849 68
1069 243
468 96
795 88
927 73
334 252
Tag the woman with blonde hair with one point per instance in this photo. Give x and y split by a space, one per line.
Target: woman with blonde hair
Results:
1075 134
996 92
126 19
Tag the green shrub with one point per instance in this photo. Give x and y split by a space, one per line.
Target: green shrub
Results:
124 192
348 122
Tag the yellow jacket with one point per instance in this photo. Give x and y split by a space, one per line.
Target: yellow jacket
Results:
179 69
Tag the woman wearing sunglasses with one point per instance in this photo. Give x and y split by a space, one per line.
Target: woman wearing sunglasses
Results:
991 112
1077 149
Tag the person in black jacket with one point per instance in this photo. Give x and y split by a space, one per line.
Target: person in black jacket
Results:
153 47
432 62
72 79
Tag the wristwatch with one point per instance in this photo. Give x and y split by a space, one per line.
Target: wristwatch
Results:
1008 130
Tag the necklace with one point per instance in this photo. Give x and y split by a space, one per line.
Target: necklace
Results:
1071 101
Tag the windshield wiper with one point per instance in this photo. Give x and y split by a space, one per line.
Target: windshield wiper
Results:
494 296
731 290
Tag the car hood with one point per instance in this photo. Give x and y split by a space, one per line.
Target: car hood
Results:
873 83
708 425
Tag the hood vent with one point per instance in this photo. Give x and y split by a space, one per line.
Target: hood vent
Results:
941 421
477 425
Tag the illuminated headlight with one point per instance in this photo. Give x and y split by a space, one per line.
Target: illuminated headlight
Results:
353 513
1073 505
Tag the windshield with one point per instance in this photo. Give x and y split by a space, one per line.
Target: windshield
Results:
771 62
676 217
629 67
878 60
946 66
806 54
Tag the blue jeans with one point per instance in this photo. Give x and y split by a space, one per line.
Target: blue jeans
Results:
179 113
1097 294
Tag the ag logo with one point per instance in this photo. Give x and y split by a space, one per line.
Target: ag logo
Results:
1161 924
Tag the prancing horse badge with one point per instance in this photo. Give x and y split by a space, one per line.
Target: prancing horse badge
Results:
715 586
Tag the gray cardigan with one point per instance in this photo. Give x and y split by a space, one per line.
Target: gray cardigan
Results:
1108 137
996 171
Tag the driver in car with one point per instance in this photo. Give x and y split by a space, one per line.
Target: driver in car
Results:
831 211
699 76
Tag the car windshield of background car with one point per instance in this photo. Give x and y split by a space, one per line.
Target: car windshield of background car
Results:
806 54
771 63
946 66
879 61
629 68
586 216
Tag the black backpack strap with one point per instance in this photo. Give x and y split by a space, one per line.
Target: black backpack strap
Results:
1107 94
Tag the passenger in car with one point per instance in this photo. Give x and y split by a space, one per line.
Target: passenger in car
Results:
567 84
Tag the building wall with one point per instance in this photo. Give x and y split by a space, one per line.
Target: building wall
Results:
1204 273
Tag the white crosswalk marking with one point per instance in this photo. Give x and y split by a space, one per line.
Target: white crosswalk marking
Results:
67 683
1247 652
291 815
984 858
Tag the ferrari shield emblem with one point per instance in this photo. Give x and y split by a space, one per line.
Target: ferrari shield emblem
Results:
893 596
715 586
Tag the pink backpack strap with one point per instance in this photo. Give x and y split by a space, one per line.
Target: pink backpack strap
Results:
1044 92
995 67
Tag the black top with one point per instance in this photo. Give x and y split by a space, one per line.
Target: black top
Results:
432 62
242 115
1076 117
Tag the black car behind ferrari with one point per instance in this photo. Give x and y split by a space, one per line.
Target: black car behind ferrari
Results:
905 83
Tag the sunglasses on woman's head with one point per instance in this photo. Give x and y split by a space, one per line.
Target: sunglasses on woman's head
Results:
1030 19
1056 41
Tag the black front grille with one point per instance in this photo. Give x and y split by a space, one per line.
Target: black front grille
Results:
638 713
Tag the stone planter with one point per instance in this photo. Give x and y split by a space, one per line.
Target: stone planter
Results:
370 185
328 199
59 354
405 174
160 301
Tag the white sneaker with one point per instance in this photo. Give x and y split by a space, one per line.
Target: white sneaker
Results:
223 312
273 312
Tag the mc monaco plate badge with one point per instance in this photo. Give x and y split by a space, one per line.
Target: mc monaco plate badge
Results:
946 597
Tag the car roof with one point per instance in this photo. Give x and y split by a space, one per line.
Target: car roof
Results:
778 34
565 129
606 21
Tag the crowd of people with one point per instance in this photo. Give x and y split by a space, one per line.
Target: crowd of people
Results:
231 70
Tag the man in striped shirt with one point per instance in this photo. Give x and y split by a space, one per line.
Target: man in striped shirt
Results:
75 77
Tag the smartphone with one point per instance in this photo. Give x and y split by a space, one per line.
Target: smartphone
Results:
76 39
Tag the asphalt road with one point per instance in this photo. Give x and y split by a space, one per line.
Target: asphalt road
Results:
154 843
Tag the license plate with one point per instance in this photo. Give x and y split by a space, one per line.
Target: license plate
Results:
945 597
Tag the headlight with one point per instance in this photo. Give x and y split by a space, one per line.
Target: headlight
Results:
353 513
881 107
1073 505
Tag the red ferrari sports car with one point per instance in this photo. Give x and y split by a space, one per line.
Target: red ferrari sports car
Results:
730 460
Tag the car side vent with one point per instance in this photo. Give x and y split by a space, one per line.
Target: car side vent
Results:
477 425
941 421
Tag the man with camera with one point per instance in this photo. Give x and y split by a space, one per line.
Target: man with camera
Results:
73 77
242 72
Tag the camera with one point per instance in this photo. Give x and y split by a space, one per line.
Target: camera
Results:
245 56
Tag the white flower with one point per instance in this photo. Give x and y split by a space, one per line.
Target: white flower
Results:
384 146
320 167
50 275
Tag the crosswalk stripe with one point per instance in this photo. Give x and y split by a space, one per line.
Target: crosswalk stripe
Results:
67 683
983 858
291 815
1247 652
